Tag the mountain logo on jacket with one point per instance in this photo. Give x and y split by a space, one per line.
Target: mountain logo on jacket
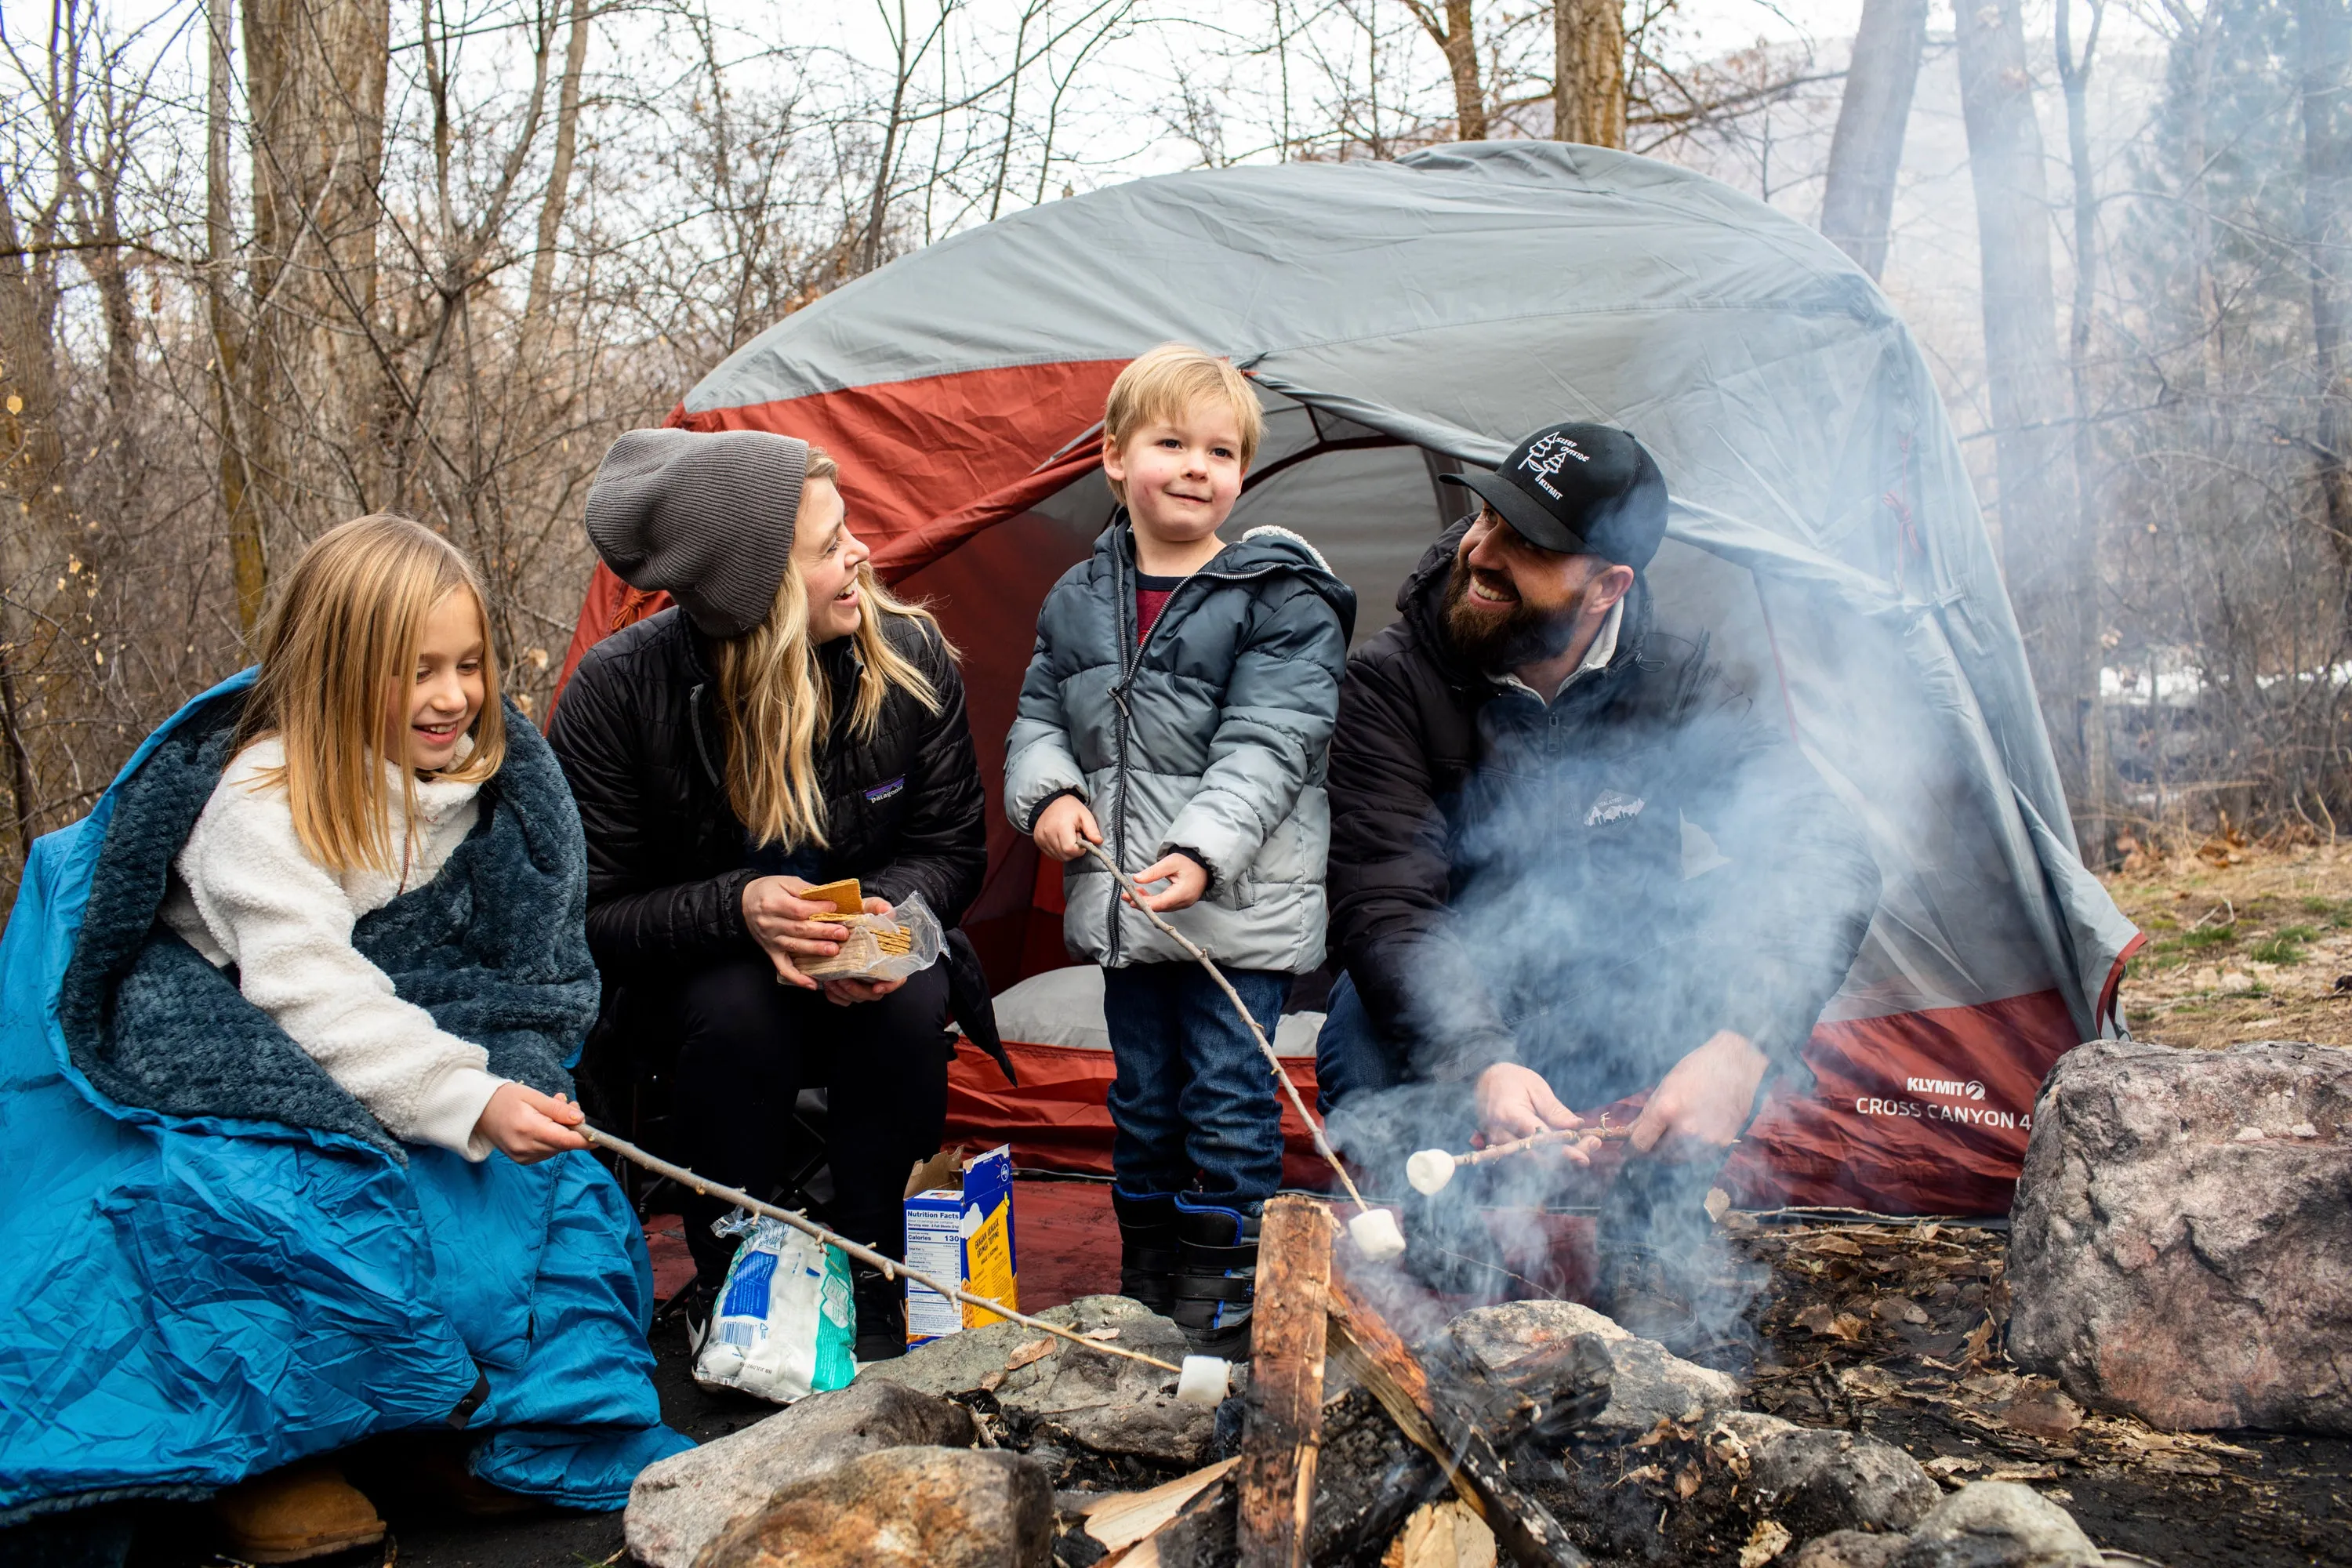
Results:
883 791
1610 805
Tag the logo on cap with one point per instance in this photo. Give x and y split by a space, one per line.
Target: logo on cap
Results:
1548 456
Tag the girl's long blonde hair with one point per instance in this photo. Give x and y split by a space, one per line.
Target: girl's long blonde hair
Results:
775 706
338 652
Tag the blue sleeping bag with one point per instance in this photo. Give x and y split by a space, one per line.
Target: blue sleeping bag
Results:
213 1261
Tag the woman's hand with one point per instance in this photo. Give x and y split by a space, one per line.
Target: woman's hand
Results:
1186 878
528 1126
784 925
1066 827
849 990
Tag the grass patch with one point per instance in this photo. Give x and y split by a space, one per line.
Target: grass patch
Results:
2160 922
2318 906
2283 946
2211 936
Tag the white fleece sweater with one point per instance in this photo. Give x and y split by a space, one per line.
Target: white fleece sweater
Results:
245 892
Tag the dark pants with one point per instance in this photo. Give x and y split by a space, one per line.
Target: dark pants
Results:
747 1045
1377 1117
1193 1094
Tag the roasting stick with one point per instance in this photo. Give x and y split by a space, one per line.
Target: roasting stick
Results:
1431 1169
1213 1368
1374 1230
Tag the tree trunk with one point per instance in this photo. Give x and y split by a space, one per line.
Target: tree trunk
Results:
2098 802
248 565
1588 83
1866 151
2045 556
2326 41
559 176
1457 36
315 75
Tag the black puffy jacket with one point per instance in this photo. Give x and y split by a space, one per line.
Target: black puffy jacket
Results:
1491 854
637 732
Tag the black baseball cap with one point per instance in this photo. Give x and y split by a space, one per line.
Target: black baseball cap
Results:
1581 490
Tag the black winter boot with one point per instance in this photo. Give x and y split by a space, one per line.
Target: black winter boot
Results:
1216 1277
881 1306
1147 1250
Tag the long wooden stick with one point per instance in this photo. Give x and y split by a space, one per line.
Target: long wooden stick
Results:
1314 1128
1540 1140
889 1266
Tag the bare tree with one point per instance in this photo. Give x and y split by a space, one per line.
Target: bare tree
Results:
1456 33
2045 556
1589 71
1866 150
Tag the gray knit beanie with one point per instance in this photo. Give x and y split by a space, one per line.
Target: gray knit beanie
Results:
705 516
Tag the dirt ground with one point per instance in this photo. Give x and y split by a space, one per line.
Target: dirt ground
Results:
2245 943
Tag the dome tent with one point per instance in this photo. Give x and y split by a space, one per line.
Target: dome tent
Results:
1402 320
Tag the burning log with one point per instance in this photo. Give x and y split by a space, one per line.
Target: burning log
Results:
1429 1170
1446 1426
1282 1441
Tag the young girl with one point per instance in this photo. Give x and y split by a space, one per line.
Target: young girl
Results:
357 766
287 1023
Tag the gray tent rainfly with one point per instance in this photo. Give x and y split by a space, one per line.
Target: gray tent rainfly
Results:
1404 319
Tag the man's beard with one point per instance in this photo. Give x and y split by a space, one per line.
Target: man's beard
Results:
1521 635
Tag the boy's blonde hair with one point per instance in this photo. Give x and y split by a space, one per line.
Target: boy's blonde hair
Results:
775 705
1164 382
338 651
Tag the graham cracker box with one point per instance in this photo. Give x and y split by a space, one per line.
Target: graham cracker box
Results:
963 1233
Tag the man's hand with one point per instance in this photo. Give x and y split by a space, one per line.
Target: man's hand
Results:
1515 1102
1706 1098
783 924
1186 878
528 1126
1066 827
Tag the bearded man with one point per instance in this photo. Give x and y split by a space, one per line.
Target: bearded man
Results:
1571 863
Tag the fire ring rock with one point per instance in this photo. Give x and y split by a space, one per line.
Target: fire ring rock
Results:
680 1505
2182 1237
902 1508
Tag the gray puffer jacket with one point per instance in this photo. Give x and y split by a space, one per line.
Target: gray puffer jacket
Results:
1209 738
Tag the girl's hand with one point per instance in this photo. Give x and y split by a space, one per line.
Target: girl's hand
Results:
528 1126
1186 878
1066 827
783 924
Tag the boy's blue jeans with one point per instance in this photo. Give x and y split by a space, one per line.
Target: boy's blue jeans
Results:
1192 1095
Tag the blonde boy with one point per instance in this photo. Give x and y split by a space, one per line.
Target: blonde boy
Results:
1176 712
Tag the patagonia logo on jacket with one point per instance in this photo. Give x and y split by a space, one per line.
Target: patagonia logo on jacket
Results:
883 791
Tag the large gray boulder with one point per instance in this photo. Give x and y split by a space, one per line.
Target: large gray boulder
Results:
902 1508
680 1505
2182 1237
1998 1524
1109 1404
1647 1383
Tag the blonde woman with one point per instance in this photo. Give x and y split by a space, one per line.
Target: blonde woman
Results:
788 722
315 1175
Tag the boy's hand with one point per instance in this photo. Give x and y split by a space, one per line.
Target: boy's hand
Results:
528 1126
1186 878
1066 827
782 923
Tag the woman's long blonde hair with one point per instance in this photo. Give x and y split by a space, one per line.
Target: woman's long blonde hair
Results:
338 651
775 706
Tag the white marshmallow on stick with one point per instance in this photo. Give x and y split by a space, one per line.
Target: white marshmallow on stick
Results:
1390 1240
1205 1380
1429 1170
1376 1236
